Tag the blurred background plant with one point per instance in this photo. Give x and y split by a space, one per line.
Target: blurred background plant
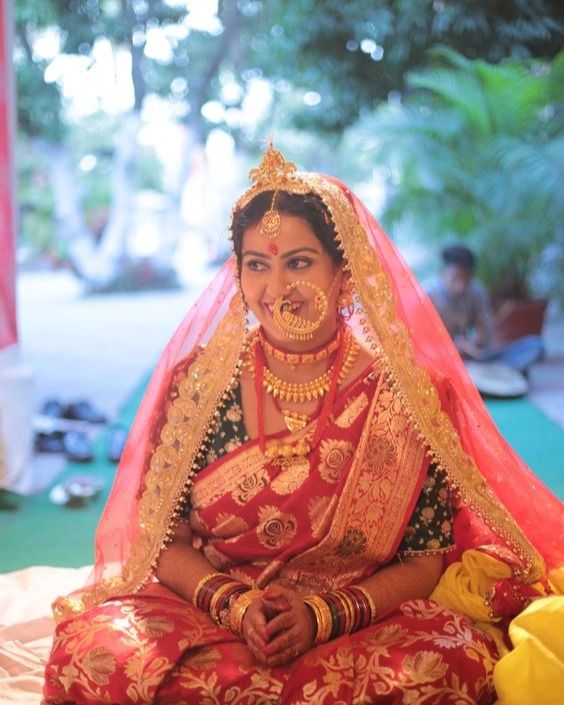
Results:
475 153
138 120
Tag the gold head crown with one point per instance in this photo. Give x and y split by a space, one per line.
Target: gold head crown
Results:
274 174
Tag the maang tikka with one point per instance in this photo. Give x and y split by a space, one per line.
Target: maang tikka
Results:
274 174
270 221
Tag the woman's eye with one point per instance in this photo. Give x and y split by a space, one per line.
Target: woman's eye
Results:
299 263
256 265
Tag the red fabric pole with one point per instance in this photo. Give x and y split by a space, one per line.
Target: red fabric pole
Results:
8 324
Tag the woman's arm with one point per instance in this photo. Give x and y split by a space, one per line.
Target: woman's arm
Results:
292 632
413 577
181 567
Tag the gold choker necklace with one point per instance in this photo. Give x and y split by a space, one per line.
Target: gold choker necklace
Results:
316 388
307 358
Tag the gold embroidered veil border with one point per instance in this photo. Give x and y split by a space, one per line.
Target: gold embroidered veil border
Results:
386 333
168 478
216 367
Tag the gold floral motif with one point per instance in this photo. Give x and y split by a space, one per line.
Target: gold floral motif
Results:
232 445
427 514
276 529
291 477
237 476
234 413
202 660
229 525
99 664
424 666
197 522
218 559
333 455
154 627
352 411
380 453
353 544
250 486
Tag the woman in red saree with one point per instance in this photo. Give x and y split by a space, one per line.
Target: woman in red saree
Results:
293 492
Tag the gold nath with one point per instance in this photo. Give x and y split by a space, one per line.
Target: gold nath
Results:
295 327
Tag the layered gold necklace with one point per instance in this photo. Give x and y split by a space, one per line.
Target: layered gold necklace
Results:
324 386
300 392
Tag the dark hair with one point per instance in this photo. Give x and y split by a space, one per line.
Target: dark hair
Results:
459 256
308 206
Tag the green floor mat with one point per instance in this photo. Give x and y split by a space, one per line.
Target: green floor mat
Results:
537 439
40 533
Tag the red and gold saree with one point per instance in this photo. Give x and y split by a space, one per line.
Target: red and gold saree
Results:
318 523
327 520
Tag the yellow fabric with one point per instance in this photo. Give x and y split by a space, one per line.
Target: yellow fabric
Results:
533 672
464 586
556 581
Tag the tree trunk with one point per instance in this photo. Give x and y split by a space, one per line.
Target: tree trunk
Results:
96 264
69 221
113 246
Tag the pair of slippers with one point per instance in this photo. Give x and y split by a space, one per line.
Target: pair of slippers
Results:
76 491
76 445
81 410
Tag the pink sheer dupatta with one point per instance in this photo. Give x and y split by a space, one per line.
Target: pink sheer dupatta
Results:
535 508
422 362
119 523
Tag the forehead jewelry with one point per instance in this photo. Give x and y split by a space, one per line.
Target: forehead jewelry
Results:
270 221
273 248
295 327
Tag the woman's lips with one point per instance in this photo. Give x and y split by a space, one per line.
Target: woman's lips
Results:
293 306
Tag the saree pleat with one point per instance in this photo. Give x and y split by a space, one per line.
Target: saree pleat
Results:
164 652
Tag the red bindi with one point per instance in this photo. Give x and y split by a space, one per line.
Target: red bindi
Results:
273 248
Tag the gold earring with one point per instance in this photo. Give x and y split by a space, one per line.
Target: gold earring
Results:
345 301
293 326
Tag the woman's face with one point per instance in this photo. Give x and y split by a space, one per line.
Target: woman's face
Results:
268 266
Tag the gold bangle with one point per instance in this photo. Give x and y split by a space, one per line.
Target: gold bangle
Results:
370 600
238 609
201 584
323 617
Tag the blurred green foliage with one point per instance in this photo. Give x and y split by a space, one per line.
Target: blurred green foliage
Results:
476 153
473 142
36 201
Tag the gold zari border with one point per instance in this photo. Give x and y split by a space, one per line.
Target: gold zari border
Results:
387 334
173 461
